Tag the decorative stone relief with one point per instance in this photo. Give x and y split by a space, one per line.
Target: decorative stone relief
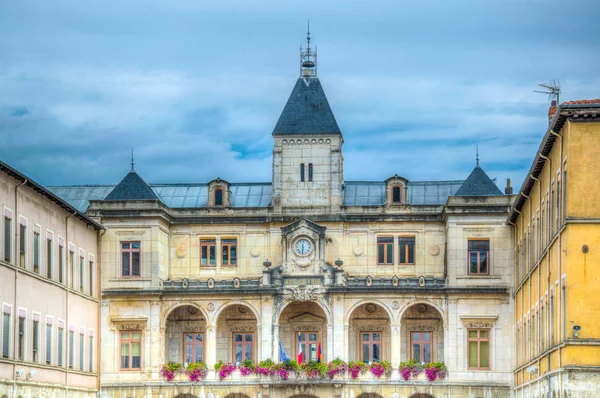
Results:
369 280
211 283
395 305
479 321
255 251
242 309
192 310
130 326
395 280
421 281
370 328
420 328
358 250
236 283
306 328
185 283
434 250
371 308
248 328
210 307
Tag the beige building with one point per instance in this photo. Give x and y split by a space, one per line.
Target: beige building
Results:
393 270
49 295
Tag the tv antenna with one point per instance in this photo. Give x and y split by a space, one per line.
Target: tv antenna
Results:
552 89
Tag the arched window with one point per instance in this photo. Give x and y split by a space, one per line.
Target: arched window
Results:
310 172
218 197
302 172
396 195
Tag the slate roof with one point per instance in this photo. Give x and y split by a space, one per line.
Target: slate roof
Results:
243 195
307 110
132 187
365 193
478 184
49 194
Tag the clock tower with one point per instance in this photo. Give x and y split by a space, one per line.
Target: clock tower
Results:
307 154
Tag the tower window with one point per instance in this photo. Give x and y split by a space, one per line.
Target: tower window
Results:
396 195
301 172
310 172
218 197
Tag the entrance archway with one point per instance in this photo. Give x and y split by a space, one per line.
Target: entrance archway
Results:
237 395
421 395
423 334
303 396
304 323
237 334
185 396
369 395
369 334
185 336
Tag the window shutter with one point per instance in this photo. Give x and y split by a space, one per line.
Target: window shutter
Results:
91 353
60 346
71 346
49 344
5 334
81 337
7 239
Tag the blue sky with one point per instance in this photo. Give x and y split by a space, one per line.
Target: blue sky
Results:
197 86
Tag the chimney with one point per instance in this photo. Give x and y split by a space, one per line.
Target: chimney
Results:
552 110
508 190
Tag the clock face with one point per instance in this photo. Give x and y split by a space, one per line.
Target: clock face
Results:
303 247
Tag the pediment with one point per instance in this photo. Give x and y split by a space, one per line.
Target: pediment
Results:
306 317
304 223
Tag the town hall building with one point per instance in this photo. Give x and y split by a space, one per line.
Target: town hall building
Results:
377 272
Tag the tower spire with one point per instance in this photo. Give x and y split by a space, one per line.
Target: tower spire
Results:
132 163
477 156
308 58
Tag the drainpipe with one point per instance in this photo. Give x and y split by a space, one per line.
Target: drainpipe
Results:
99 235
16 308
559 249
67 306
536 259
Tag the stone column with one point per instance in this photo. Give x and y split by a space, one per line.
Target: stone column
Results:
157 339
275 342
396 340
346 342
330 340
266 327
211 345
340 333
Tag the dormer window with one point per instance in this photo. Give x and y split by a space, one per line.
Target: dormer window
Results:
218 197
218 193
396 195
396 191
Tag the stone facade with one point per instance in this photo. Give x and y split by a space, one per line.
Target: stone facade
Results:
364 282
41 303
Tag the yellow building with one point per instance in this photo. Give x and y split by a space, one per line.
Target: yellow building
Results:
556 218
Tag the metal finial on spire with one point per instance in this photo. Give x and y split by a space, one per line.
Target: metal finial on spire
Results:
477 155
132 163
308 58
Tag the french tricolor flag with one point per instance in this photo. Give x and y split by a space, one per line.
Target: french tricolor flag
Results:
300 356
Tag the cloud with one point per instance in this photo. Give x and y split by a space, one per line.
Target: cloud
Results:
196 88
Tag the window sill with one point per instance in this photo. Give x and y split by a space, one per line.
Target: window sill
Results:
478 277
